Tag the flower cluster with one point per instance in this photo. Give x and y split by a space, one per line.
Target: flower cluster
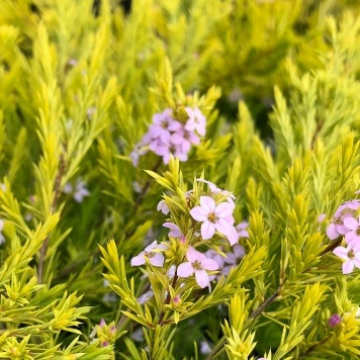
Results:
346 223
213 216
168 136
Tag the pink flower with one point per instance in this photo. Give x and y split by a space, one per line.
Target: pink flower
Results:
197 263
321 218
184 139
354 229
155 258
213 217
163 207
163 124
214 189
241 229
334 320
337 228
174 229
197 121
350 255
136 153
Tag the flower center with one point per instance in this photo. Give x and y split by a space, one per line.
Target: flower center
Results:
164 124
212 217
196 265
351 254
149 254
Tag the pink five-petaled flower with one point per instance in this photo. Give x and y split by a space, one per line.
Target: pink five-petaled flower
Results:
337 227
350 255
197 263
213 217
155 258
354 229
197 121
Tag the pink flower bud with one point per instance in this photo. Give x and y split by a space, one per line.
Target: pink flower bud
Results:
334 320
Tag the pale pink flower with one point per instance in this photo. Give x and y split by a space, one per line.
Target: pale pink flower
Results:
184 139
163 124
321 218
337 228
197 121
174 229
162 206
350 255
155 258
241 229
197 263
213 217
72 62
354 229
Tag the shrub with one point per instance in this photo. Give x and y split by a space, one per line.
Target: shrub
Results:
236 241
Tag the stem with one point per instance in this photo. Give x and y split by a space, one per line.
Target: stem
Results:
55 199
317 131
332 246
168 298
311 348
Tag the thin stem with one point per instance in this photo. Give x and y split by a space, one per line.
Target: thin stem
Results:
313 347
57 191
168 298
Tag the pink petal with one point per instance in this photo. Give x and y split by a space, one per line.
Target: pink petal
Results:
177 138
151 246
185 270
341 252
202 278
199 214
224 209
157 260
208 203
331 232
351 223
192 254
207 230
342 229
223 227
348 267
239 251
356 262
138 260
209 264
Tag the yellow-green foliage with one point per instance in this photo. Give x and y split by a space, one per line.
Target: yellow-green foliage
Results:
79 84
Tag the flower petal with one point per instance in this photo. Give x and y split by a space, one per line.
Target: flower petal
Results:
198 213
138 260
341 252
192 254
207 203
157 260
185 270
332 232
348 267
202 278
207 230
224 209
151 246
351 223
209 264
